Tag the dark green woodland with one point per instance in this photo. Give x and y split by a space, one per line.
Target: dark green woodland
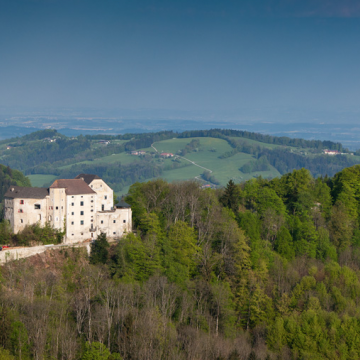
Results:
267 269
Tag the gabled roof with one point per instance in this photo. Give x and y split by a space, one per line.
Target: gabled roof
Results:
16 192
88 178
73 186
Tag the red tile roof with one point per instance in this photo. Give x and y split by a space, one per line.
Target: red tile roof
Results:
73 186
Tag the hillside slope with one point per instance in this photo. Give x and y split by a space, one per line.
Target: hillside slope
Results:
212 156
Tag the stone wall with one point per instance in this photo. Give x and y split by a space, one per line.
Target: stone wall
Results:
7 255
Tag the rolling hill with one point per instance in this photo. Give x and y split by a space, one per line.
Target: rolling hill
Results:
213 157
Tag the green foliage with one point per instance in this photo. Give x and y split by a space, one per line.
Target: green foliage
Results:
96 351
31 235
5 354
269 268
99 250
261 164
231 196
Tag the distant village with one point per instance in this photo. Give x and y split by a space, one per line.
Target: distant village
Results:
335 152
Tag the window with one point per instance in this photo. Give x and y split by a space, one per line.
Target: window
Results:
72 213
102 221
81 203
21 202
92 210
72 197
51 208
114 232
21 221
72 223
114 221
102 207
124 221
81 213
20 211
56 208
62 207
81 222
72 204
92 220
92 200
81 196
105 197
37 207
82 233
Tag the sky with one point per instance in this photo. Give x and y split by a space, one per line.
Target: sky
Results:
204 55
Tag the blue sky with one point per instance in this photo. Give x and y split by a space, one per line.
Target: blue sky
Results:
192 56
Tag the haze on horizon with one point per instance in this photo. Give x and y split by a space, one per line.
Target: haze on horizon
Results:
191 56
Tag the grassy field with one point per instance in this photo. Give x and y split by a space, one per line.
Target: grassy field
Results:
40 180
205 158
124 158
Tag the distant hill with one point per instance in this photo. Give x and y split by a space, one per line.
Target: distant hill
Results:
10 177
210 156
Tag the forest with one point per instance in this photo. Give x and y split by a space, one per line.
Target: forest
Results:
266 269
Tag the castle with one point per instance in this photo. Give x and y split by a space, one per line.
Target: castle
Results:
83 207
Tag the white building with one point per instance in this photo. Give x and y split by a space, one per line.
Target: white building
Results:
83 207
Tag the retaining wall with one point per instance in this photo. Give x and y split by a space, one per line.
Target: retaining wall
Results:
7 255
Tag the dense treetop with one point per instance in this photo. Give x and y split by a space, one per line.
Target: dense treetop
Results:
267 269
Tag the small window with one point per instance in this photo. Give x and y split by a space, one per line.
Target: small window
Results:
114 221
102 221
72 223
91 186
92 201
81 213
82 233
51 208
124 221
21 202
62 208
21 221
105 197
114 232
21 211
92 210
72 234
92 220
37 207
56 208
81 196
72 213
81 222
81 203
72 204
100 185
72 197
